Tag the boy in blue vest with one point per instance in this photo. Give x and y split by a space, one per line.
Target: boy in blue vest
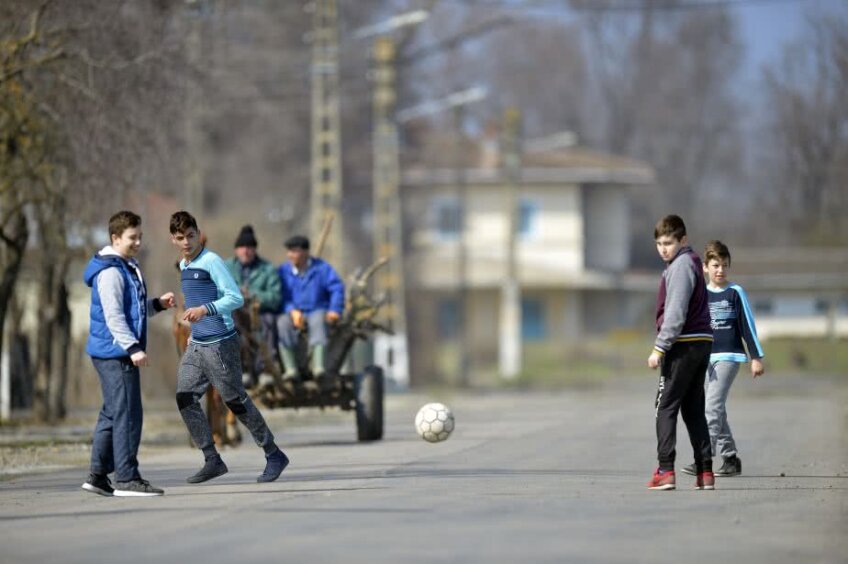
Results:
735 340
213 356
313 296
117 340
682 353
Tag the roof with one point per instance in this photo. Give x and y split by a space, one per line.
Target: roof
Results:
791 268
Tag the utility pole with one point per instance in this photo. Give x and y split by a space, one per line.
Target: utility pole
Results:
509 350
456 102
389 350
326 173
194 199
463 378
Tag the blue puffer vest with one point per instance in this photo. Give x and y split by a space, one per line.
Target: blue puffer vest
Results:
101 343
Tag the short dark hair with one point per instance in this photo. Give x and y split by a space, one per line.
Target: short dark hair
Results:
181 222
122 221
297 242
716 250
671 225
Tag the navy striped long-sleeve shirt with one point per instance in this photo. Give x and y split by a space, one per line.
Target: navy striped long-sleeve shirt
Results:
207 282
733 325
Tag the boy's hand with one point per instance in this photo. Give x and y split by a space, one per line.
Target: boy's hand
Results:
332 317
654 360
297 318
168 300
139 359
757 368
193 314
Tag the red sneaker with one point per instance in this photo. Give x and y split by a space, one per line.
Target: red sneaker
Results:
705 481
662 480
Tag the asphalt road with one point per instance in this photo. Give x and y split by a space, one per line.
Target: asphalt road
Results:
537 477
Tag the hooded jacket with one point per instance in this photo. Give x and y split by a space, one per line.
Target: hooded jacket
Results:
683 313
119 306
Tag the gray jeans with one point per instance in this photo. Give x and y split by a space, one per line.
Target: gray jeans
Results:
720 376
317 329
219 365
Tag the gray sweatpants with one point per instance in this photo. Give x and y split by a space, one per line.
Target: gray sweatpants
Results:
317 329
218 364
720 376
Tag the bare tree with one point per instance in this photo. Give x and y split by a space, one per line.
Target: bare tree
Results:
78 115
808 170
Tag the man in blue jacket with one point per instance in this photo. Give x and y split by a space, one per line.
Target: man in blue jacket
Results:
313 297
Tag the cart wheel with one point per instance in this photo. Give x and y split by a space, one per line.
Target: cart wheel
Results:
369 387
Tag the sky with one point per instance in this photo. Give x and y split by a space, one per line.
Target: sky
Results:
766 26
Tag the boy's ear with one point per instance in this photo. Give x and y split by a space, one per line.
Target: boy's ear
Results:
684 240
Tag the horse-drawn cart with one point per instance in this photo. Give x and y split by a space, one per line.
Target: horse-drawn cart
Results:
360 392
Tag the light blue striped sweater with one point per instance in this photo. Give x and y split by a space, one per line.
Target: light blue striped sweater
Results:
207 282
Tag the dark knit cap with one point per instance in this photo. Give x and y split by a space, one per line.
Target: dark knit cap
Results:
297 242
246 238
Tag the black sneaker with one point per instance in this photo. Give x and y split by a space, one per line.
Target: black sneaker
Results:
137 488
213 468
99 484
274 466
732 467
691 470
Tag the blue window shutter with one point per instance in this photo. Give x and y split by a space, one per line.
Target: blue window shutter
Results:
533 326
447 318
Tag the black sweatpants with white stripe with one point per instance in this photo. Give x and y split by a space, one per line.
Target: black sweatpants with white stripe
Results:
681 389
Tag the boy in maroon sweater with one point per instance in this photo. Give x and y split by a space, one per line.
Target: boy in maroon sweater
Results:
682 353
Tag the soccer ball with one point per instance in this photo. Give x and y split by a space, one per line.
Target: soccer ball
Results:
434 422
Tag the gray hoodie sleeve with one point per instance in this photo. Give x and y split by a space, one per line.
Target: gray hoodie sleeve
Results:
110 288
679 285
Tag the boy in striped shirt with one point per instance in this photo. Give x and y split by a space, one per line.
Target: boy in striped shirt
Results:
213 355
734 341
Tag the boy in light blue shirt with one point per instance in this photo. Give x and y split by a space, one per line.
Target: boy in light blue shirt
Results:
213 353
734 342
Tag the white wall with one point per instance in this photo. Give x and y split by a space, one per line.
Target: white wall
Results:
551 252
607 227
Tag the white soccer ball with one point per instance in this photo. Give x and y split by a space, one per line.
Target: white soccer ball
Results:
434 422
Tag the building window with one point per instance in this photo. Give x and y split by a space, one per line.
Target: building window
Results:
528 218
533 327
447 217
447 318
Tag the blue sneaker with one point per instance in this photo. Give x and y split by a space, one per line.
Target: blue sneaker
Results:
212 468
276 463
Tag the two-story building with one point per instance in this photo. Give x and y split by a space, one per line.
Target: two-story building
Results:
572 251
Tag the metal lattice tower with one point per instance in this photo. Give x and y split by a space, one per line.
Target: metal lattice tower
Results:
326 174
391 351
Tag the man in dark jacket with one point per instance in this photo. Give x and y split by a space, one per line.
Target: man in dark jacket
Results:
258 280
313 296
